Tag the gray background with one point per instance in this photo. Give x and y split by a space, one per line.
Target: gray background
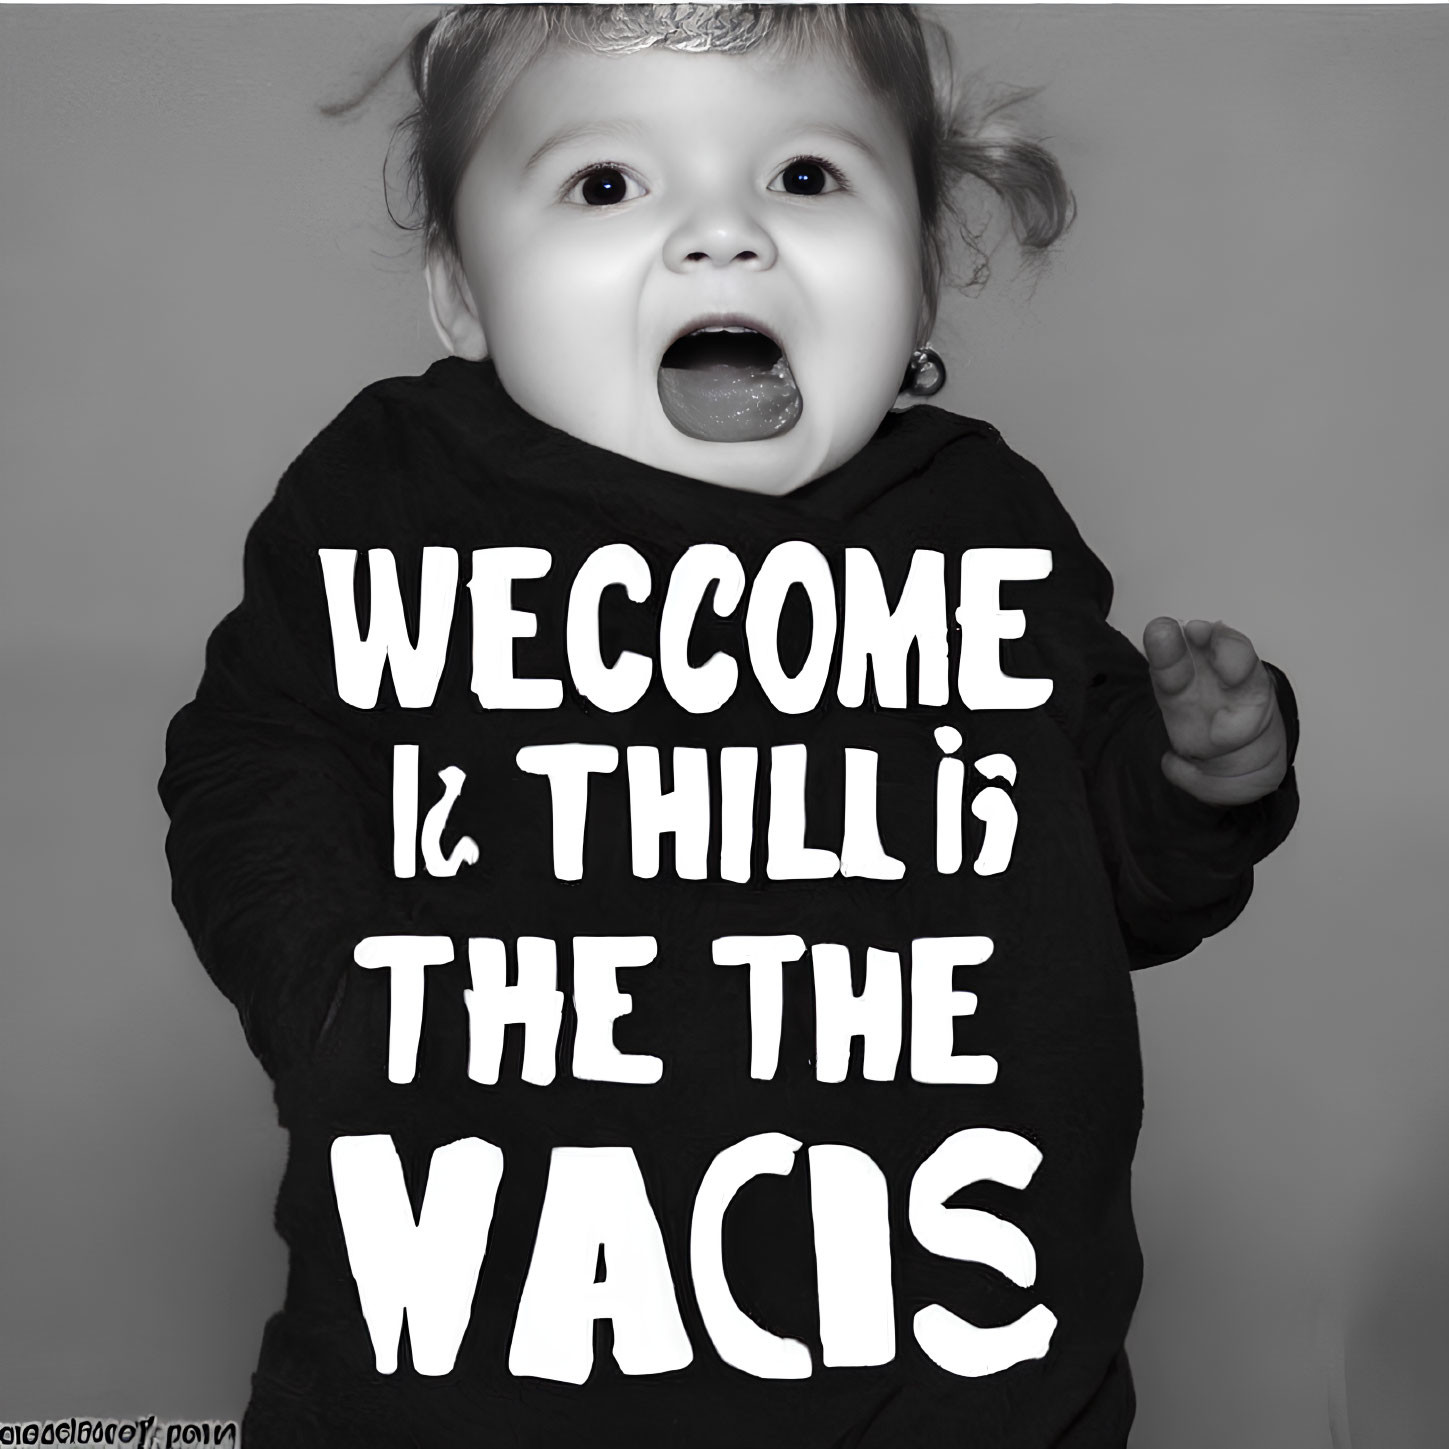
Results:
1235 373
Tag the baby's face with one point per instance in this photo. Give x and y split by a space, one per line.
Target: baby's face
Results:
618 204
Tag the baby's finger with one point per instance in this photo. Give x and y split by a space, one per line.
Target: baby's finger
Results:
1199 632
1231 655
1238 775
1240 736
1223 789
1168 655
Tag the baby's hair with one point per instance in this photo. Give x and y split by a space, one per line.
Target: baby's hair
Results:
463 62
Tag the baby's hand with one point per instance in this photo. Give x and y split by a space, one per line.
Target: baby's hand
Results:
1229 745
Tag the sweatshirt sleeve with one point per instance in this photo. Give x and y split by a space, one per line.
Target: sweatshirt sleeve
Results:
277 864
1181 870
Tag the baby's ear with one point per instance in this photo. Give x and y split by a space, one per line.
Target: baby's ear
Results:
450 302
926 319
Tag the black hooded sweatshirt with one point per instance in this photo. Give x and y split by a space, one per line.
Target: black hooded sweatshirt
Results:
742 1054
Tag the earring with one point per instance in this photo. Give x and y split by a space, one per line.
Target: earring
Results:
925 374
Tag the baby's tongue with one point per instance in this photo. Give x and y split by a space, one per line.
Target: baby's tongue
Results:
728 386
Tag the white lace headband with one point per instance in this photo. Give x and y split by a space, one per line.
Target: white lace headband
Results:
625 29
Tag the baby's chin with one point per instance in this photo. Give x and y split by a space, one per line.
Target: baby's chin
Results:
775 465
768 465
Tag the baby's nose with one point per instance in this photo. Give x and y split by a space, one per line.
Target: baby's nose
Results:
720 235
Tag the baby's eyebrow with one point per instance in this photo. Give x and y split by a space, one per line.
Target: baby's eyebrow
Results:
845 134
582 132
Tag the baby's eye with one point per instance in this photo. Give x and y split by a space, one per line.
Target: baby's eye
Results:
603 186
808 176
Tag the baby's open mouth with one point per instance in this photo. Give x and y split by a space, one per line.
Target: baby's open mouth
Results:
728 383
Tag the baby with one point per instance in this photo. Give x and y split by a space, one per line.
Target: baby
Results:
736 1047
